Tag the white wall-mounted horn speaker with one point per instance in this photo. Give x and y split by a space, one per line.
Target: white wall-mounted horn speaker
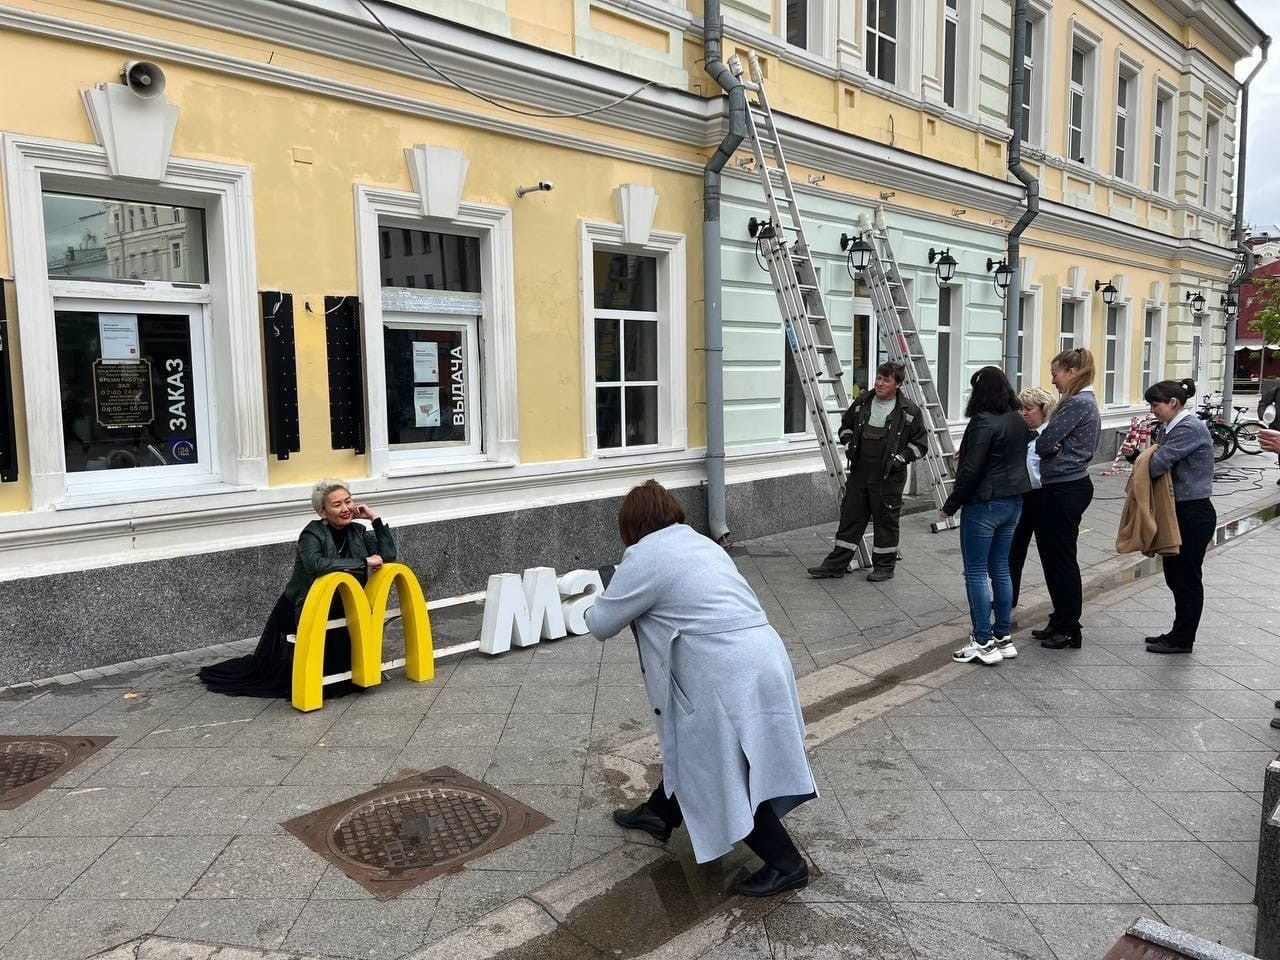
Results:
143 78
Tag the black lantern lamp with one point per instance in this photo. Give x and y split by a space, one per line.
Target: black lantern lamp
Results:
1109 291
1003 275
1230 307
858 253
945 271
1196 299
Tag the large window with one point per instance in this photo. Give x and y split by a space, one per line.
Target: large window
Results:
431 345
946 297
1161 141
85 239
950 51
134 389
1026 306
430 260
797 12
1150 324
1111 357
1127 83
1030 77
882 40
795 417
1210 163
626 349
1080 101
1067 329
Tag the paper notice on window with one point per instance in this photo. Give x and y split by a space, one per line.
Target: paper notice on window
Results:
118 336
426 406
426 362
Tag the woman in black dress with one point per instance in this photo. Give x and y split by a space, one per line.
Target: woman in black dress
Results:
334 543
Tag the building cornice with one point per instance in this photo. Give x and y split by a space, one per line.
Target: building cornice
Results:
689 119
1220 19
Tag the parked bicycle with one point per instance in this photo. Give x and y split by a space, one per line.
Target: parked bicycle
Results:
1239 434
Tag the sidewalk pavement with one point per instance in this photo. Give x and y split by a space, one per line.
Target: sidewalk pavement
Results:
1031 809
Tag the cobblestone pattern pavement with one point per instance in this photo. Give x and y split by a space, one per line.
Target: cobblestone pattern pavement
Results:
1032 809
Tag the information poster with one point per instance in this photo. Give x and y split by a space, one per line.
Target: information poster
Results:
122 394
426 406
118 337
426 364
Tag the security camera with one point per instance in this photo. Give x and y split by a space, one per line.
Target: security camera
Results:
144 78
540 186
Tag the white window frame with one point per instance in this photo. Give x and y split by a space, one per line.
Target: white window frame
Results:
953 402
33 165
1119 370
498 429
951 71
1029 336
871 33
1038 58
98 486
1155 343
1083 318
1162 138
1087 90
1125 141
1210 188
471 448
820 27
669 250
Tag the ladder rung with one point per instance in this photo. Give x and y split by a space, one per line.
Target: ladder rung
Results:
830 379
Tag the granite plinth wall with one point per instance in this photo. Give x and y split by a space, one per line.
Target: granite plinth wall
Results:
1267 883
66 622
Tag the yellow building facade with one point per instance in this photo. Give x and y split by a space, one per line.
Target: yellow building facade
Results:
452 251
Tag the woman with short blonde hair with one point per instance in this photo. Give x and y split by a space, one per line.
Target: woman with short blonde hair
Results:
1037 406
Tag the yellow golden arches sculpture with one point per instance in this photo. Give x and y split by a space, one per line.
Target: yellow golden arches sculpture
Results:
366 610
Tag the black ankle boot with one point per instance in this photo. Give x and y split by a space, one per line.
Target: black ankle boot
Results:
642 818
1063 640
1046 632
769 880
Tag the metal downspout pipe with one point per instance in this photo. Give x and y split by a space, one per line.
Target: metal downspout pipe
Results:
1246 263
1017 80
713 325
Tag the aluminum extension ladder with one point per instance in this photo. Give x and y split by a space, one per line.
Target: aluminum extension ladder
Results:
795 281
809 333
901 339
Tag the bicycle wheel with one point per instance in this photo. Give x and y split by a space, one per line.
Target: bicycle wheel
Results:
1247 436
1224 442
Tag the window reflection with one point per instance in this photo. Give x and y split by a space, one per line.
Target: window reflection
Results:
94 238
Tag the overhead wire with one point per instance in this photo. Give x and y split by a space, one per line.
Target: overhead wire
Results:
487 99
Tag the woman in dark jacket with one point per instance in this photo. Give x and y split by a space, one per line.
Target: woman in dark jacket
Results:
334 543
990 482
1185 451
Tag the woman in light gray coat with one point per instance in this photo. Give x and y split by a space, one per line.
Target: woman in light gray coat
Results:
721 689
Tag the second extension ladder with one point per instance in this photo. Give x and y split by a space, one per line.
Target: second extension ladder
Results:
781 240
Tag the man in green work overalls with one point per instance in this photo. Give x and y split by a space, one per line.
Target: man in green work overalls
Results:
883 431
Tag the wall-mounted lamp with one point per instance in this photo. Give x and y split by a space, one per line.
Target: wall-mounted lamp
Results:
760 229
1196 299
945 271
1003 275
858 253
1109 291
541 185
1230 307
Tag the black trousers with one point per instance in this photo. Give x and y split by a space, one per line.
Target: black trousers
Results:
768 839
869 498
1032 505
1061 509
1184 573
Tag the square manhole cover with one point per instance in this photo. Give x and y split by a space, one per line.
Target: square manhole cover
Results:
402 834
29 764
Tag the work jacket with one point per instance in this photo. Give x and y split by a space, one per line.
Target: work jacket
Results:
905 438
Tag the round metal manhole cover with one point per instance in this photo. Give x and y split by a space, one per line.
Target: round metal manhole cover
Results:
26 761
418 827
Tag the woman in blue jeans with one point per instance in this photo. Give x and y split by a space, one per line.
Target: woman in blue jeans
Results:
990 481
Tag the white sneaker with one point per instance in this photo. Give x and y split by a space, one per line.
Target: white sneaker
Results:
1007 650
986 652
